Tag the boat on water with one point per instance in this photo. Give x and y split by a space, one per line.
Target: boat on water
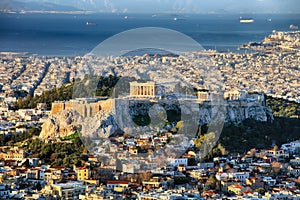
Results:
294 27
90 24
246 20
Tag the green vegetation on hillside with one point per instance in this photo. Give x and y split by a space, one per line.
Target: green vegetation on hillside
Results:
72 137
240 138
16 138
90 86
59 154
66 153
253 134
283 108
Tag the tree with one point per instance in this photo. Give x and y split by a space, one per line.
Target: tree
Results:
2 139
82 88
276 167
53 157
260 191
145 176
180 180
38 186
212 182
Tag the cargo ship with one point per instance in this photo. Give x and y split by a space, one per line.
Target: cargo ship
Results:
246 20
90 24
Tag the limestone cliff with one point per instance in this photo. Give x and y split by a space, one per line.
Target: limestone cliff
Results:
68 122
108 122
232 111
102 125
60 125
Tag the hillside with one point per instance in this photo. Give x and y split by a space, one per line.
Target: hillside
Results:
253 134
283 108
248 132
30 6
66 92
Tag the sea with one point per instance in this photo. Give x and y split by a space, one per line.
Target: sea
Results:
68 34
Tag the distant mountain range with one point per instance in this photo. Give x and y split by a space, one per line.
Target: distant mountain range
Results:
15 5
156 6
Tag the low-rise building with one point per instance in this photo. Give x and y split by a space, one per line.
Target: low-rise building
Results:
83 173
118 186
70 190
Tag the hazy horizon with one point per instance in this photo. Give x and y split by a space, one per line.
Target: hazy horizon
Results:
160 6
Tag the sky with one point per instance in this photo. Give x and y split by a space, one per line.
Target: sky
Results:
182 6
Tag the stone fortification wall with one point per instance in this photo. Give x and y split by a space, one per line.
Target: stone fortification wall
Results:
83 108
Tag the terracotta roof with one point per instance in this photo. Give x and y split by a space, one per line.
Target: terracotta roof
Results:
33 169
82 168
117 182
237 186
9 160
57 167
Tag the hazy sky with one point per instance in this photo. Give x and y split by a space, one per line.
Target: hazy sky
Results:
184 6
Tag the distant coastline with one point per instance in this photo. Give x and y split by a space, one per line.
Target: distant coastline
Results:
79 12
11 53
61 34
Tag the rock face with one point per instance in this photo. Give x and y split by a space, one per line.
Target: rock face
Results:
60 125
258 113
68 122
231 112
102 125
108 122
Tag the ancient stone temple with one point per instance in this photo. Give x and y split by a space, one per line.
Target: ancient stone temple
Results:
203 95
148 89
234 95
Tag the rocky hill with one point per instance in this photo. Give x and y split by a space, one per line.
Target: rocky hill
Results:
106 123
61 125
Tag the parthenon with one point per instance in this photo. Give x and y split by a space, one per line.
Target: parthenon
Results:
148 89
233 95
